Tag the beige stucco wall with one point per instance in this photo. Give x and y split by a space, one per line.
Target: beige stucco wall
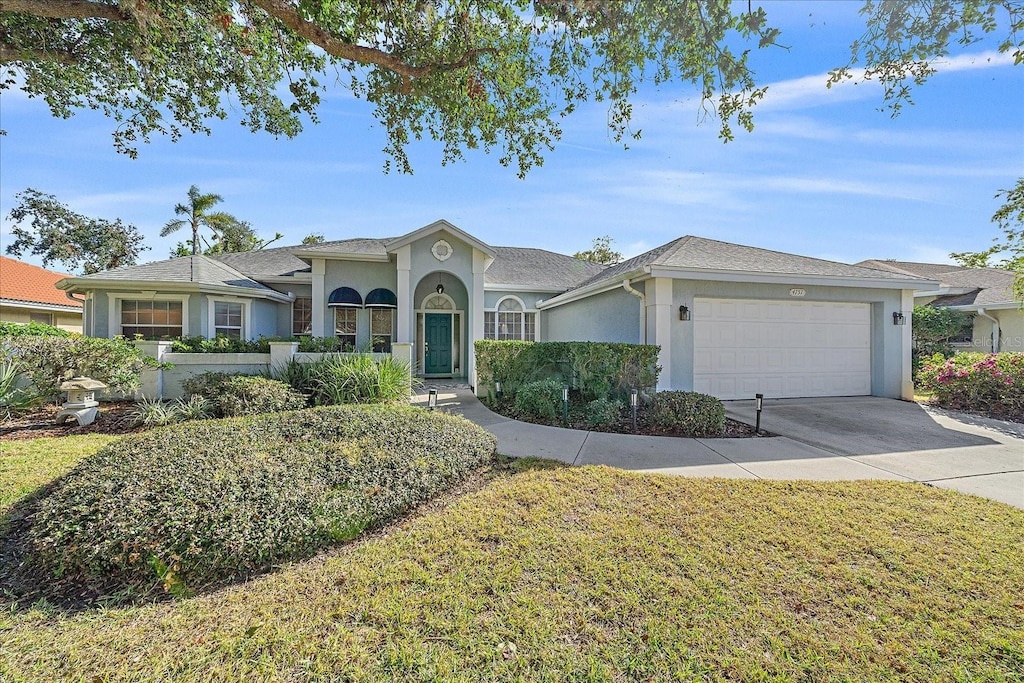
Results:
66 320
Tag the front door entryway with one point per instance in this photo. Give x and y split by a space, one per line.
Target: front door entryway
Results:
437 343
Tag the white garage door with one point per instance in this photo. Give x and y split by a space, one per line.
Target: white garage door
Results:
782 349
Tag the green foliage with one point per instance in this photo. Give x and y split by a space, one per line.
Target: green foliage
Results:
686 413
184 507
600 252
49 360
494 75
356 378
198 215
934 328
200 344
59 235
13 396
991 384
234 395
594 369
540 400
318 344
153 413
32 329
602 412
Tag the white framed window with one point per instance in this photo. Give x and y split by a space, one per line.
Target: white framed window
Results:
302 316
227 319
152 319
510 320
382 325
147 314
345 327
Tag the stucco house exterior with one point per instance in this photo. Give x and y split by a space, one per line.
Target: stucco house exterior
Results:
985 293
28 293
730 320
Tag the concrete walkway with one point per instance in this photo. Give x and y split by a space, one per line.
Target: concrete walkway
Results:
820 439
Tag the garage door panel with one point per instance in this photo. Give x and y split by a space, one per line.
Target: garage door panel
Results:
781 349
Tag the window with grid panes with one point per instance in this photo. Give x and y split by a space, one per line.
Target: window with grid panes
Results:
151 319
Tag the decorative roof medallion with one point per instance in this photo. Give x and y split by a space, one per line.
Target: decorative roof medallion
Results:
441 250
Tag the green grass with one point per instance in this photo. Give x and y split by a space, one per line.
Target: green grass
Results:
594 574
27 465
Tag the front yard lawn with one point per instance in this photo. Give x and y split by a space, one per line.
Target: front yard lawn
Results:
29 464
594 574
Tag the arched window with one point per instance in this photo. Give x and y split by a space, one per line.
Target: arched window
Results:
510 321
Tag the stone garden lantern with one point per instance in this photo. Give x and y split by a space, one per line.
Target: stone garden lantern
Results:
81 403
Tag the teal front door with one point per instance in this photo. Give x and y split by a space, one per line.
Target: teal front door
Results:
438 340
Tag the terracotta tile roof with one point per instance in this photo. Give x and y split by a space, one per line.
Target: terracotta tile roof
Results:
25 282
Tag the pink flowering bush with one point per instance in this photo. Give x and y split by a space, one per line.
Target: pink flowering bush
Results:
990 383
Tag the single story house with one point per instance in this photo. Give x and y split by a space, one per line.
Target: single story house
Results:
28 294
730 320
985 293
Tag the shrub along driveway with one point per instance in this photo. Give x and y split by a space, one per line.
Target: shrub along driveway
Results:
820 439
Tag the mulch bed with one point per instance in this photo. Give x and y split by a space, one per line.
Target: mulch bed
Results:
114 418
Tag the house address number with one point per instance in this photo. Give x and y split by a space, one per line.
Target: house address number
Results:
797 292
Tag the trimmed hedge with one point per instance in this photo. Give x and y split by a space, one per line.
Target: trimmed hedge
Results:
987 383
539 400
192 505
594 369
31 329
200 344
235 395
687 413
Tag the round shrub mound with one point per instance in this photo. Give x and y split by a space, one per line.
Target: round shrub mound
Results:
687 413
189 506
540 399
236 395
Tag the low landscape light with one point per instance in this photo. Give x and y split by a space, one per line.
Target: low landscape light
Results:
758 404
497 390
565 403
431 399
634 401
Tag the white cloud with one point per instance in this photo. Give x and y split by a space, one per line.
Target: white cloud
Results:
980 60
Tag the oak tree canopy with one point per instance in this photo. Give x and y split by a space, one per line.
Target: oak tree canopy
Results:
492 74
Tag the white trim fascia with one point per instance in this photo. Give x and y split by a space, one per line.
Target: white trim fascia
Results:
282 279
211 311
945 291
437 226
523 288
17 303
177 287
342 256
972 308
787 278
591 290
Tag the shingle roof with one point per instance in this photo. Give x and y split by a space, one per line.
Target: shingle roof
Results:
275 262
21 281
201 270
700 253
990 286
358 245
537 267
930 271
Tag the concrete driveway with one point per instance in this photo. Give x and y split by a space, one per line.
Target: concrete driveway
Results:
950 450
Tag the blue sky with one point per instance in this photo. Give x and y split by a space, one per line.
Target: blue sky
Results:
824 173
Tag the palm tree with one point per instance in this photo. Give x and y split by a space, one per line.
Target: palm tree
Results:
197 214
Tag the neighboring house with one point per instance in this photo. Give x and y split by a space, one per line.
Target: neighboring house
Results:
731 320
985 293
28 293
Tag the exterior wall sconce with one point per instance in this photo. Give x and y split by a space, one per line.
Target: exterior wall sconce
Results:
758 404
431 399
634 401
898 318
684 313
439 288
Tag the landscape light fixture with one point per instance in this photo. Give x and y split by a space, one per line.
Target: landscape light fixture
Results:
684 313
565 403
634 400
431 399
898 318
758 404
497 390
